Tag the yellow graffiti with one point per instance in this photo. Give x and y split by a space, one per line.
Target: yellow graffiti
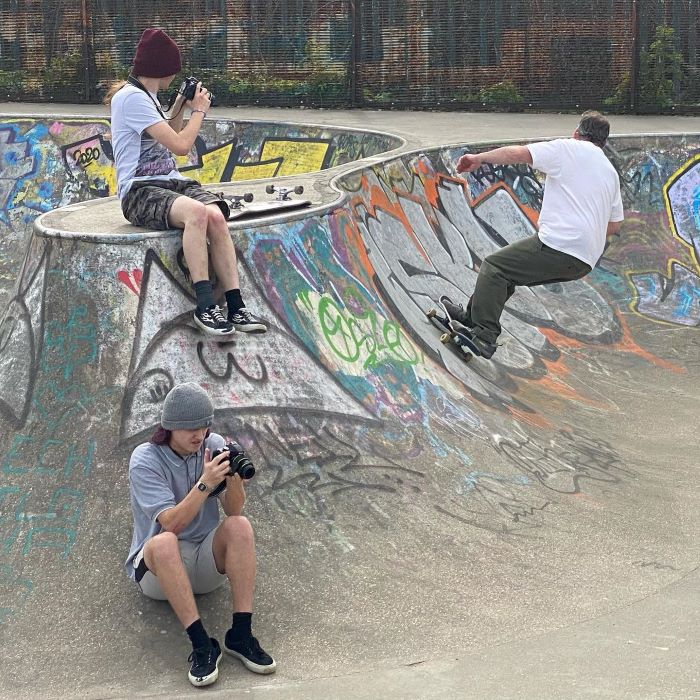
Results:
297 156
212 164
685 168
256 171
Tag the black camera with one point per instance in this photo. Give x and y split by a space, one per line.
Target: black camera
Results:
238 463
189 88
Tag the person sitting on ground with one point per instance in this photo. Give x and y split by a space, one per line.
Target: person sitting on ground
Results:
179 548
581 207
155 195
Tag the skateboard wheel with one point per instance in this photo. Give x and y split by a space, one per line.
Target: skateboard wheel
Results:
299 189
445 338
248 197
270 189
431 313
468 357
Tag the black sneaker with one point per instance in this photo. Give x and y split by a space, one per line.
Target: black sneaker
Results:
242 320
486 349
252 655
457 312
205 664
213 322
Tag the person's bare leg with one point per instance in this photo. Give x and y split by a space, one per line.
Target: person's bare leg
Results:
162 556
192 217
221 249
234 554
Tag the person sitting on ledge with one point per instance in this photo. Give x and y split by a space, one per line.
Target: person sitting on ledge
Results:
155 195
179 548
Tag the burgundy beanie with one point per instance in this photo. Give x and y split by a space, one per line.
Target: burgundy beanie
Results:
157 55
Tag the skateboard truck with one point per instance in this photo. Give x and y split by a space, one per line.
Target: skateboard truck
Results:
283 192
235 201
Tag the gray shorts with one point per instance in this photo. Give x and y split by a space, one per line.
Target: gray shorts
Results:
199 563
148 202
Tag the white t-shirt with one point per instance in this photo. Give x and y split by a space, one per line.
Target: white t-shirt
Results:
581 195
137 155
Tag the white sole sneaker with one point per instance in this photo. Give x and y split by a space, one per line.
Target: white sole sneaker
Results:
250 327
251 665
213 331
206 680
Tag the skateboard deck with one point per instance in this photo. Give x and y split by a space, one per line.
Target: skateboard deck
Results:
243 206
255 209
461 339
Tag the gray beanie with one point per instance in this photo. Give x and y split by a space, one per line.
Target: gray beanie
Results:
187 407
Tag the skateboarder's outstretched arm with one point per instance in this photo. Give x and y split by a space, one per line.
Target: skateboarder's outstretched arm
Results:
506 155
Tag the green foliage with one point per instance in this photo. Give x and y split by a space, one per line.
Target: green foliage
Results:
318 87
327 85
62 76
660 69
503 93
503 96
11 87
621 96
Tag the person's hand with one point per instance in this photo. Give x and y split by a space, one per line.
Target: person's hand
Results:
215 470
468 163
235 482
201 99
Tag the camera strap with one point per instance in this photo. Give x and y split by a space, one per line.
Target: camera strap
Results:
133 80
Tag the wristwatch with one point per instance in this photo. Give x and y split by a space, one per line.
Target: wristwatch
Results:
202 486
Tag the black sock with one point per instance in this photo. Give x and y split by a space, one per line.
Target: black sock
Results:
205 294
241 627
198 635
234 300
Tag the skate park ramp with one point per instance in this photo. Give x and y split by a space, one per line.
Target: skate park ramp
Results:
51 162
408 507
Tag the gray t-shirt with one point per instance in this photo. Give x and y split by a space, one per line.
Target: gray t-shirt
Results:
136 154
158 480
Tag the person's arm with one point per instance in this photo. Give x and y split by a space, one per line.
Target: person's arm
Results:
233 498
617 214
506 155
613 228
180 142
177 518
176 122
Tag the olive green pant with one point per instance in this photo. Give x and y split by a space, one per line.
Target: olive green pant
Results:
525 263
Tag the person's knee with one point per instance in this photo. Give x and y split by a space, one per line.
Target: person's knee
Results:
216 218
488 269
196 215
238 529
162 550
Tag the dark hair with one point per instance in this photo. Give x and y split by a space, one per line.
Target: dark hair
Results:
162 436
594 127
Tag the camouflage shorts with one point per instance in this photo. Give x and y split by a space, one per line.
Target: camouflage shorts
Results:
148 202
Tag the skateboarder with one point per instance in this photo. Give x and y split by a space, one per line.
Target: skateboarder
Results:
155 195
179 547
581 207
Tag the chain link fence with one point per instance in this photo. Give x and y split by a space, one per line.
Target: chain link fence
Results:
619 55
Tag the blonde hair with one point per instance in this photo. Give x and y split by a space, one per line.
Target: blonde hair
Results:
113 90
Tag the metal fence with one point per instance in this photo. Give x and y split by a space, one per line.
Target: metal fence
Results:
620 55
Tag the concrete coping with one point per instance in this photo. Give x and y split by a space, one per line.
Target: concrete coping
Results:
101 220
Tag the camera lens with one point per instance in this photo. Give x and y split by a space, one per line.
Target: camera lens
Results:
247 471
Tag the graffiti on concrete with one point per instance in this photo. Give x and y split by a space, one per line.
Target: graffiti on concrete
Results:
244 374
660 191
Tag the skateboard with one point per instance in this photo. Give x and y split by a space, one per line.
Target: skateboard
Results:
462 339
243 206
